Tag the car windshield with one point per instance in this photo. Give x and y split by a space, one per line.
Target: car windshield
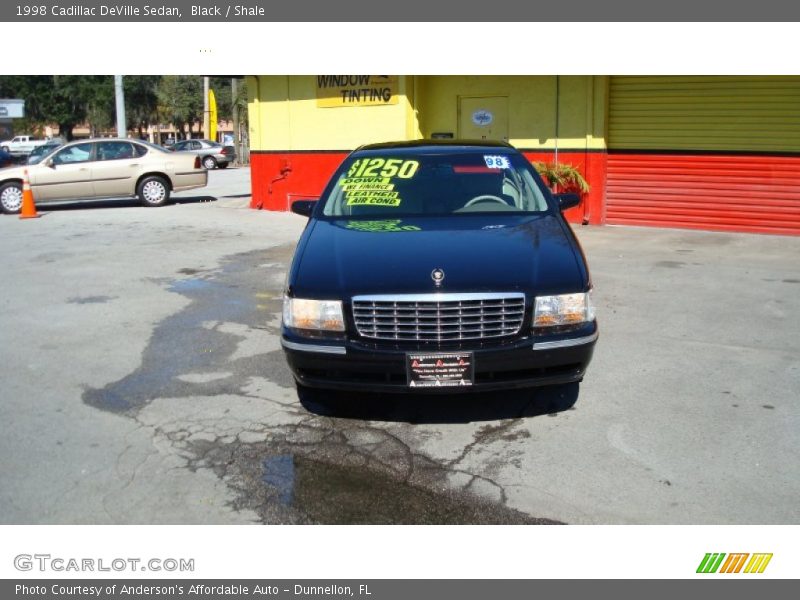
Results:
45 149
387 184
41 152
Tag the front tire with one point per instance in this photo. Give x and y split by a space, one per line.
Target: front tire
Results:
209 162
5 149
153 191
11 198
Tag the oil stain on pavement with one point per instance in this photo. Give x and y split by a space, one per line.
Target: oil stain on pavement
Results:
213 383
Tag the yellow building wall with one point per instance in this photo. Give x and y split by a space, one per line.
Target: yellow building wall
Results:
541 108
284 116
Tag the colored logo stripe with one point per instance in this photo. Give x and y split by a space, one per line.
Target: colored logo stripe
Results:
710 563
758 563
733 564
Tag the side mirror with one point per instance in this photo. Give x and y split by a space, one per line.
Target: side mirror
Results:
303 207
49 163
566 201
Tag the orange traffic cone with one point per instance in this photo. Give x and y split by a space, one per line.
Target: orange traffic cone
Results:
28 206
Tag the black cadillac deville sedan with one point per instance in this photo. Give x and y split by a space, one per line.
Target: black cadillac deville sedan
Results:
437 266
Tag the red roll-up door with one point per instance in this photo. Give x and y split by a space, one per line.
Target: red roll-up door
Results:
717 153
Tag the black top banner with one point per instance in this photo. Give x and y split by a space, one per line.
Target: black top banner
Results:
405 11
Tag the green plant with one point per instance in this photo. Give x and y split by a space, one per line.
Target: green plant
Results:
562 176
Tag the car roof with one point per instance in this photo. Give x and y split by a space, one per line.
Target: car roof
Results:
453 145
144 143
109 139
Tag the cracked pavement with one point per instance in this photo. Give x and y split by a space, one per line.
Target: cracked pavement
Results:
143 382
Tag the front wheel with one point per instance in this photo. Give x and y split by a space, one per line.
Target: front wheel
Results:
11 198
4 148
153 191
209 162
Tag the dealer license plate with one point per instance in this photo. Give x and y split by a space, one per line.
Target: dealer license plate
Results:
437 369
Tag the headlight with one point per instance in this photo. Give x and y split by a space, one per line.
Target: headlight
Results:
566 309
325 315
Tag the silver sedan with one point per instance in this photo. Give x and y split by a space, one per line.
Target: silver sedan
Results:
104 168
212 154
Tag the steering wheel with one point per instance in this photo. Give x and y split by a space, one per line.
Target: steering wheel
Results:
485 198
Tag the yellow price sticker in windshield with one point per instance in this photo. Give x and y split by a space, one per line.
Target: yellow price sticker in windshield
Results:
383 167
350 184
373 198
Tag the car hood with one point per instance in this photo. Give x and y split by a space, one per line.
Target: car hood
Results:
478 253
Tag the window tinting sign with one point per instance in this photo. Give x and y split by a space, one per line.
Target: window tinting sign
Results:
482 118
356 90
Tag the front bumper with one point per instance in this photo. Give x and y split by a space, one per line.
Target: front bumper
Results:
356 365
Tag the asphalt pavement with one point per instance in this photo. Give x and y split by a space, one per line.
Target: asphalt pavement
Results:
142 381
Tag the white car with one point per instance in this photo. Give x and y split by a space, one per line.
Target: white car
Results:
21 145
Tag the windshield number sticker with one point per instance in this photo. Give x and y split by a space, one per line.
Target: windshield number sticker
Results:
497 162
392 167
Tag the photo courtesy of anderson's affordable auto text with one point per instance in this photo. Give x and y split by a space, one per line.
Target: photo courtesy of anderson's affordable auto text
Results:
539 303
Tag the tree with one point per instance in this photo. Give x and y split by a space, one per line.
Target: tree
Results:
66 100
69 100
141 100
241 101
180 100
101 111
222 94
18 86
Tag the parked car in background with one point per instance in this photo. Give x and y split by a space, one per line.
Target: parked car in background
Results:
21 145
5 159
40 152
437 266
104 168
212 154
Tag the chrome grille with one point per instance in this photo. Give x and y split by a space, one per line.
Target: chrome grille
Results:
438 317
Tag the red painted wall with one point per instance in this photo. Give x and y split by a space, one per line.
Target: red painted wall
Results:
758 194
278 178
